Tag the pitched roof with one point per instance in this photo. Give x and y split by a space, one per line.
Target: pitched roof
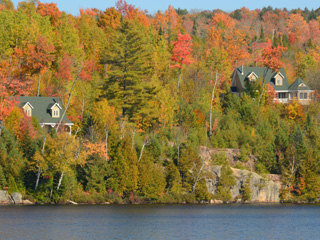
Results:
299 84
263 73
42 108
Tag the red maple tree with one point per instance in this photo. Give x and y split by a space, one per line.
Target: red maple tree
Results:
181 53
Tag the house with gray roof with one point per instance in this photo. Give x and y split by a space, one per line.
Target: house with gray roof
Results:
285 92
48 110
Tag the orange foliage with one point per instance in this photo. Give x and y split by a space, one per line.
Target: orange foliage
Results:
131 12
97 148
50 9
40 56
271 57
223 20
160 20
87 11
270 95
298 26
314 29
225 35
200 118
173 18
87 70
64 72
294 110
109 18
10 87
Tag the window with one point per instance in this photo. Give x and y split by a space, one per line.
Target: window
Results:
55 113
278 81
28 112
282 95
303 96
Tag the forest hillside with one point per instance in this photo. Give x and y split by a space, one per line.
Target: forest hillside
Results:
145 92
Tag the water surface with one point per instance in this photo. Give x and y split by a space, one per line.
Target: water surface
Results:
160 222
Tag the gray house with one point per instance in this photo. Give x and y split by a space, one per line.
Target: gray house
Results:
298 90
48 110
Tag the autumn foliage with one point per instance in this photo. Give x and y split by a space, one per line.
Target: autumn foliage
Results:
181 53
136 136
271 55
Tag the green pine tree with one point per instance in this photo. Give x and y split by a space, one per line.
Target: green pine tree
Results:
3 181
128 85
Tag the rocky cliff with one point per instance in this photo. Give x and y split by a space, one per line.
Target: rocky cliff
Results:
263 188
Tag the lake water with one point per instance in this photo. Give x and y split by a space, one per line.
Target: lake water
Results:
160 222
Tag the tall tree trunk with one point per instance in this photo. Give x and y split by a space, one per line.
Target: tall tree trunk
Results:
179 79
37 181
38 91
0 126
65 110
133 134
107 134
198 175
263 84
178 154
39 170
141 152
60 181
212 97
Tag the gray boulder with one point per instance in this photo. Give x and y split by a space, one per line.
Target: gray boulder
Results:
16 197
5 198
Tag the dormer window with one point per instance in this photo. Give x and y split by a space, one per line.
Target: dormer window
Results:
27 108
55 110
252 76
278 79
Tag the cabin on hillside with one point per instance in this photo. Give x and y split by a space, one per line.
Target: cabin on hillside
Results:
48 110
298 90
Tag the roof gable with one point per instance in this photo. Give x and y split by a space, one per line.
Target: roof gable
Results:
27 104
252 73
299 84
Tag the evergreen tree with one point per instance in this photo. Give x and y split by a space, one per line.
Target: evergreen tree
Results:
124 176
128 86
195 27
262 34
3 181
225 183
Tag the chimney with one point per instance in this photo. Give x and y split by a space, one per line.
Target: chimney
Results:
242 70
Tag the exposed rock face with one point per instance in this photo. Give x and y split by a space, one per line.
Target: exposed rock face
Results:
231 154
16 197
4 197
262 189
